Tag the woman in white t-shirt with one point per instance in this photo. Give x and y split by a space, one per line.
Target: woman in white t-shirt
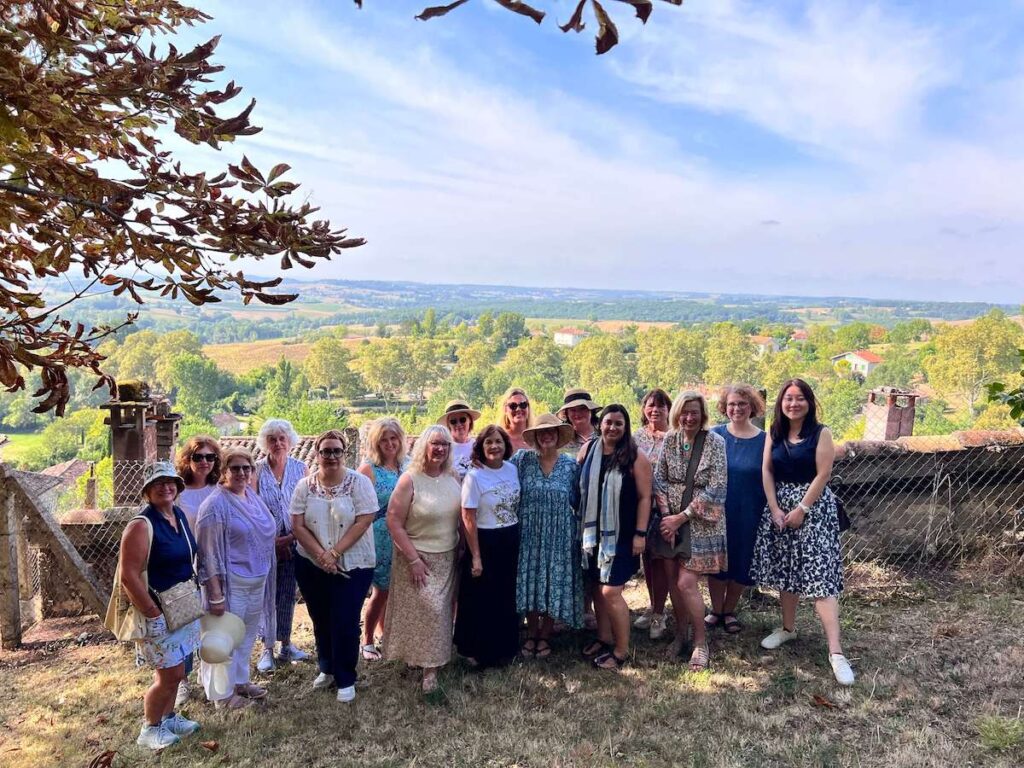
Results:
486 624
460 418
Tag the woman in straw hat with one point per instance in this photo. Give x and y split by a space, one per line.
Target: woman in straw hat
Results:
460 418
580 412
159 543
332 511
549 583
516 416
423 517
238 570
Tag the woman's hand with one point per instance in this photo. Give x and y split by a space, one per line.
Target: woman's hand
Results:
639 545
218 609
778 518
418 573
669 525
794 518
477 567
283 545
327 560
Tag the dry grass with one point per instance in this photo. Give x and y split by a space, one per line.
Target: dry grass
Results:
941 667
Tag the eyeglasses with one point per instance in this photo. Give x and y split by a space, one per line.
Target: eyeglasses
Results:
240 469
458 419
517 406
209 458
331 453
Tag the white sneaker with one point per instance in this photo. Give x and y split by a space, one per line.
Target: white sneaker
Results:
156 737
657 630
841 669
323 680
182 696
778 638
643 621
266 662
178 725
291 653
345 695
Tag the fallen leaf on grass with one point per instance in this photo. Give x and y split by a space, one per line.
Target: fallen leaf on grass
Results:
821 701
101 719
213 746
103 759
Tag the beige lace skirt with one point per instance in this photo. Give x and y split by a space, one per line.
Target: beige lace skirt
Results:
418 622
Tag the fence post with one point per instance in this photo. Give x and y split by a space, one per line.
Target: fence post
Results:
10 589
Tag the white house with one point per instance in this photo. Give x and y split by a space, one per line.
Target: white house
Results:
569 337
862 361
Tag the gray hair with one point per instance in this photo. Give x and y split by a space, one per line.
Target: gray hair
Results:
276 427
419 451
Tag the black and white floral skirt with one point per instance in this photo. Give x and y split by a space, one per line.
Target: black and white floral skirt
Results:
807 560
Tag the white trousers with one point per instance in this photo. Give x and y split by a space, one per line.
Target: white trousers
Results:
246 602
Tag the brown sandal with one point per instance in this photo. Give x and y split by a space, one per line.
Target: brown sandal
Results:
700 659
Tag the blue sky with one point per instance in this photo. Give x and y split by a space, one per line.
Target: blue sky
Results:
828 147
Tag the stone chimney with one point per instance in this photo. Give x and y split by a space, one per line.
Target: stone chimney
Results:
889 413
142 430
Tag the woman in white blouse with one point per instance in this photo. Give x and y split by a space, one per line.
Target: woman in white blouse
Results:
332 511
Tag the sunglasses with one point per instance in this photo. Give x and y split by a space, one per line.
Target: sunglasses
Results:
241 469
331 453
458 419
207 457
517 406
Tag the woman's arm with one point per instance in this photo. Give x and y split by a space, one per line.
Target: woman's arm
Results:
134 554
708 502
824 456
305 537
643 477
472 539
768 481
398 514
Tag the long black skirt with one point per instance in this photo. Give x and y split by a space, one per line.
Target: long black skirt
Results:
486 624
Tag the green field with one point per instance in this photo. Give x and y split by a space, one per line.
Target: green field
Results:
13 451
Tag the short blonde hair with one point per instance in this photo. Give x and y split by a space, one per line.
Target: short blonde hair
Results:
505 423
418 460
687 396
233 453
747 392
376 432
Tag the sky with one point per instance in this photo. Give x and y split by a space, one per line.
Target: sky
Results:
819 147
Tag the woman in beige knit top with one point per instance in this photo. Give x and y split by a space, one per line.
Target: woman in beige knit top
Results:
423 518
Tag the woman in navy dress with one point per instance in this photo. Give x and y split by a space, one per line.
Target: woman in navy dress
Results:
744 501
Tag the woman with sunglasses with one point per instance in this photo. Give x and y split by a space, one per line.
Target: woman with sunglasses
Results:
238 570
460 418
332 513
274 481
516 416
198 465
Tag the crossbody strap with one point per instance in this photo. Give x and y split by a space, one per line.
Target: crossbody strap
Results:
691 467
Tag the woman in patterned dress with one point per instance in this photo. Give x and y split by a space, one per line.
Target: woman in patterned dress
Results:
423 518
487 624
650 438
701 549
549 581
797 550
274 482
385 460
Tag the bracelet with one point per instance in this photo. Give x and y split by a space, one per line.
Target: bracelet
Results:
217 602
417 560
642 534
804 507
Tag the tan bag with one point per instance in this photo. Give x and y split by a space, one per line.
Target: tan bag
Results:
123 619
182 603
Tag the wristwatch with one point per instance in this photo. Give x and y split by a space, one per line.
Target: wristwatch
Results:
642 534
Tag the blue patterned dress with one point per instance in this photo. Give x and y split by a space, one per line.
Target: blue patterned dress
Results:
549 577
384 482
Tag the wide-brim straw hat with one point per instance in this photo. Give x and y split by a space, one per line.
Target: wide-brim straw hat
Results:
219 636
574 397
549 421
457 406
161 469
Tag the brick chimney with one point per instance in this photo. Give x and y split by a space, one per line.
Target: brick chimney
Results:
889 413
142 430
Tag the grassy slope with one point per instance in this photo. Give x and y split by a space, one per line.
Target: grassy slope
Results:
14 451
932 661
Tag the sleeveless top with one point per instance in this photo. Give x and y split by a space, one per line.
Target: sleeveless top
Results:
433 520
170 561
794 462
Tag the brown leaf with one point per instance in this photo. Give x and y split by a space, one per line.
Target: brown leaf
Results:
278 170
439 10
607 33
522 9
821 701
211 745
643 8
575 22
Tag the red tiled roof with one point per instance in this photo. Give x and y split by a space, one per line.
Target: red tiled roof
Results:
572 331
867 356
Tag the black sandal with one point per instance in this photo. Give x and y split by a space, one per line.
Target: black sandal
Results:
716 620
595 649
733 627
601 662
529 649
543 648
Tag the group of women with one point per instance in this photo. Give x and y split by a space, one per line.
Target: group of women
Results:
538 517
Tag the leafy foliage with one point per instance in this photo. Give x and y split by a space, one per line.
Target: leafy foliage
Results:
87 187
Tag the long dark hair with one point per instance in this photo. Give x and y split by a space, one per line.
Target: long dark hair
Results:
780 422
625 450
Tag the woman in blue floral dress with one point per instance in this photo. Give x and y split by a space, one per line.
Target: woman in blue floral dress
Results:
385 451
549 583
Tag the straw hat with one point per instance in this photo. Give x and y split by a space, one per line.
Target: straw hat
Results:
219 636
549 421
574 397
161 469
457 406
